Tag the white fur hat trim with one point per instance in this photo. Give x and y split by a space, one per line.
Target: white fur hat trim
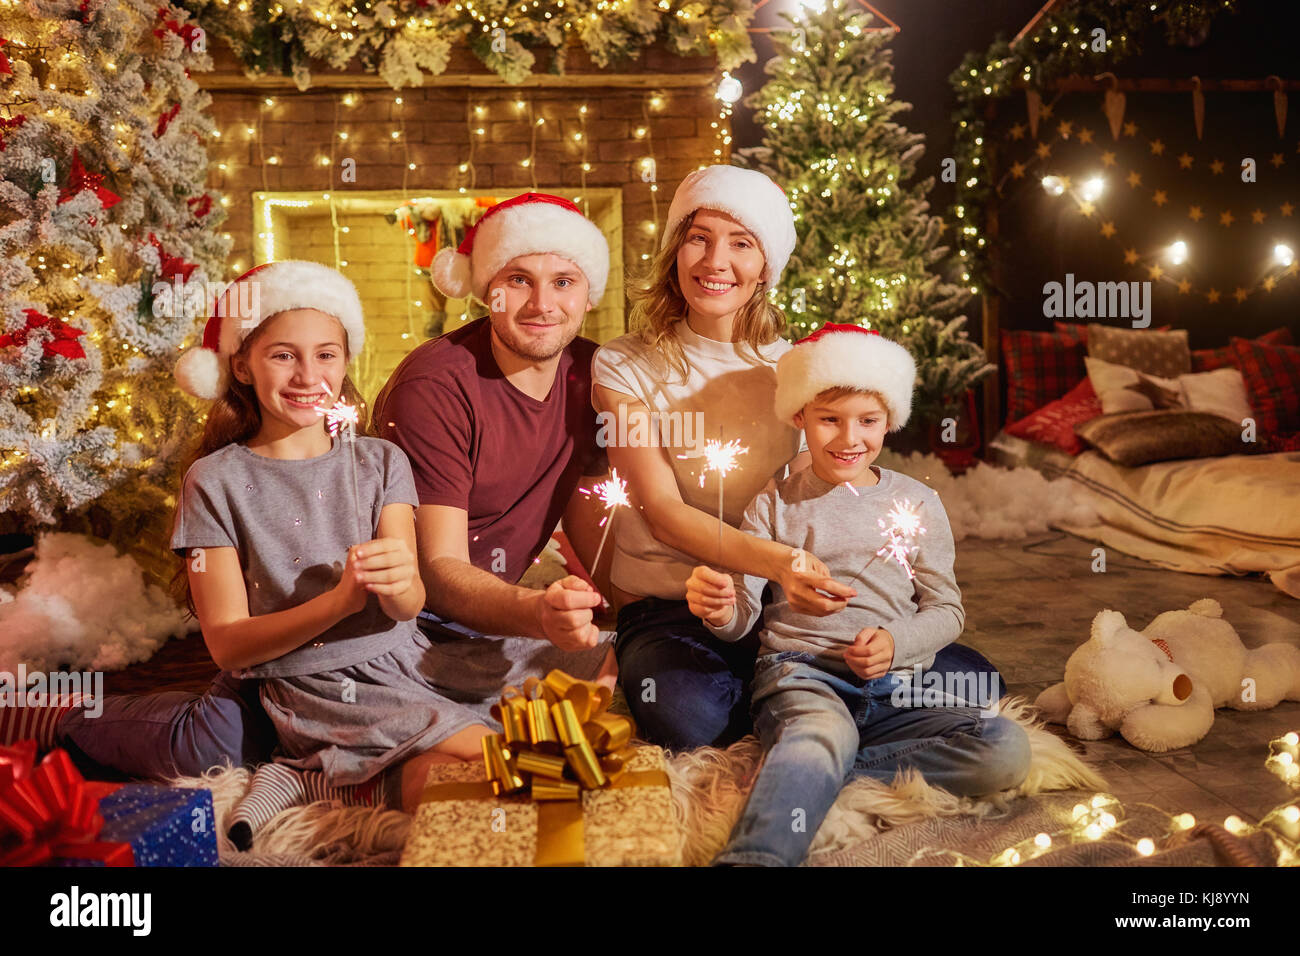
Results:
846 359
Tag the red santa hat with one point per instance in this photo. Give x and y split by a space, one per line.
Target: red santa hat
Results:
750 198
846 356
250 300
523 226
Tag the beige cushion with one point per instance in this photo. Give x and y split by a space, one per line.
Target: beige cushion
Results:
1220 392
1156 353
1136 438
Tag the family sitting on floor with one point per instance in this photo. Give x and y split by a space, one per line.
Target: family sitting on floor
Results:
351 668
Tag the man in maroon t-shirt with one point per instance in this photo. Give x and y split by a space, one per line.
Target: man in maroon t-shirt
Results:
496 418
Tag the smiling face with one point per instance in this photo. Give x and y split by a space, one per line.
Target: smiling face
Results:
295 361
845 433
719 264
536 305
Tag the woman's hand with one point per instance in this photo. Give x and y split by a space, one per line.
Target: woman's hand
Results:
711 596
804 578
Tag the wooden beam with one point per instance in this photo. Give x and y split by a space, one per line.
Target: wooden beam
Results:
330 81
1029 27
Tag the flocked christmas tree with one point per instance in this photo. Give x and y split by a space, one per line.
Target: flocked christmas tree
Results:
102 164
868 253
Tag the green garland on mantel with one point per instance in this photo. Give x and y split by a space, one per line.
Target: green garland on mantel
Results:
402 39
1060 45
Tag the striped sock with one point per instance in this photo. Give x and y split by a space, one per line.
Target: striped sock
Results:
39 723
275 787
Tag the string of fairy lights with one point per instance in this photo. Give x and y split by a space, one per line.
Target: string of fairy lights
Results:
1102 817
1173 261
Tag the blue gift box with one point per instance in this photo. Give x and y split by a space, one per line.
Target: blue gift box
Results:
165 826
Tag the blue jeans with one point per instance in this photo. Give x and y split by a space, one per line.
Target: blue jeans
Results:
819 730
154 736
688 689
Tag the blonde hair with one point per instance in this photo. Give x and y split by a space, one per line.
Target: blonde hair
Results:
658 303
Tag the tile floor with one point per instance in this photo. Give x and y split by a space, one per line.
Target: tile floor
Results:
1030 603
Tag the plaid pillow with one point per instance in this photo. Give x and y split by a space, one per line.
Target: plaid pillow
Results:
1207 360
1272 374
1040 368
1054 423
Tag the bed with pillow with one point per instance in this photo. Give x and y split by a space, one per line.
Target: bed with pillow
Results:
1194 456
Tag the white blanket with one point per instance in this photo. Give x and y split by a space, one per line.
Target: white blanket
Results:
1232 515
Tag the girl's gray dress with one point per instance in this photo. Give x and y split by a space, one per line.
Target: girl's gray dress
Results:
369 692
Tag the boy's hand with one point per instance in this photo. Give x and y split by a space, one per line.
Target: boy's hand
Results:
387 565
711 596
565 614
871 654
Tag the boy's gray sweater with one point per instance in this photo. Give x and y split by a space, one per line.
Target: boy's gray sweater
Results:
845 530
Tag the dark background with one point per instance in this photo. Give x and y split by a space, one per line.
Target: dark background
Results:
1046 237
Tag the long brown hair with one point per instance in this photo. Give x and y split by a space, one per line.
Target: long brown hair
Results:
233 417
658 302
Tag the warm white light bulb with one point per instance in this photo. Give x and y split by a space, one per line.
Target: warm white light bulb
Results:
1283 254
730 89
1093 188
1053 185
1178 253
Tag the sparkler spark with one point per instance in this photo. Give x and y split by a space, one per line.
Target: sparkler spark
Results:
900 534
613 493
721 457
340 417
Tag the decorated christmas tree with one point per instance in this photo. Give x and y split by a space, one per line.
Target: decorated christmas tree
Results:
868 253
107 245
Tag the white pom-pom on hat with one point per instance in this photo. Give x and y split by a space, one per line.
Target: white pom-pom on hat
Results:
261 292
846 356
451 273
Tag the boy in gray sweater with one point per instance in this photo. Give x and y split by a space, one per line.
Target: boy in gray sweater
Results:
838 696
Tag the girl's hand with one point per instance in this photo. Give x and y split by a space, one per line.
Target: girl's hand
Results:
387 565
351 591
711 595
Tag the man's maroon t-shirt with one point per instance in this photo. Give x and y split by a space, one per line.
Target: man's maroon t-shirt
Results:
479 444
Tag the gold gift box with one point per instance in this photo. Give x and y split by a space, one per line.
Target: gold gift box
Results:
630 822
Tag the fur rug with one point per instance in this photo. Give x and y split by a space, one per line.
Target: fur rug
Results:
709 788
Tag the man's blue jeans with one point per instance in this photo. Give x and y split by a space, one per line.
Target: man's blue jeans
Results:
819 731
685 688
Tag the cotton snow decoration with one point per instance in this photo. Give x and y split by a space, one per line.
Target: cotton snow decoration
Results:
81 605
997 503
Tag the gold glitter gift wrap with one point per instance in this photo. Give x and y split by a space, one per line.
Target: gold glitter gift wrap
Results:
561 786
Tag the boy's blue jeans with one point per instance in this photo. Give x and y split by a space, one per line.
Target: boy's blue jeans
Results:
819 731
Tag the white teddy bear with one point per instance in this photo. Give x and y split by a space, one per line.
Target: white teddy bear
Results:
1159 688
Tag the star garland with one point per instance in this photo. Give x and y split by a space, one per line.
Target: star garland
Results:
1061 44
1108 156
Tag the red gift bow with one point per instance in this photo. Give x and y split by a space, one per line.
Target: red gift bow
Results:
7 124
171 266
65 336
80 179
200 205
188 33
52 809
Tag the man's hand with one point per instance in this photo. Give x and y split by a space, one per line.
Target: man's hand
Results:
804 579
871 654
711 596
564 614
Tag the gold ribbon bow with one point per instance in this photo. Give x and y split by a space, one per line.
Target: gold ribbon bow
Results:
557 740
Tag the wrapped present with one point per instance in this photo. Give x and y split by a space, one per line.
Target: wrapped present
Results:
50 815
562 785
